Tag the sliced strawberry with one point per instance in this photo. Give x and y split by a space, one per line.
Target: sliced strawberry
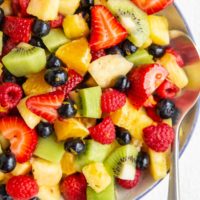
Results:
57 22
46 105
106 31
175 53
150 102
97 54
152 6
8 46
151 112
23 6
17 28
23 140
144 81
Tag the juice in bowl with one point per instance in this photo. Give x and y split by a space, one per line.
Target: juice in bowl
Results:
86 108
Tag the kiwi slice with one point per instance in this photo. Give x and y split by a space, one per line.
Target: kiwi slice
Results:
24 60
121 163
133 19
140 57
55 39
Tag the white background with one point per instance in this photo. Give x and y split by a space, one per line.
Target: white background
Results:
190 161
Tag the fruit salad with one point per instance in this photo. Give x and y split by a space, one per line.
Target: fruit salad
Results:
86 97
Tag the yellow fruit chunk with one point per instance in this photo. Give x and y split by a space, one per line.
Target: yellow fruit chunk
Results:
50 193
6 6
159 29
176 74
147 43
2 176
46 173
97 176
31 119
6 178
22 169
67 163
69 128
68 7
76 55
100 2
44 9
75 26
35 84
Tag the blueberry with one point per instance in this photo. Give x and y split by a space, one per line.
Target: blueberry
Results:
165 108
56 77
40 28
122 84
114 50
123 136
44 129
53 62
67 110
37 42
156 51
7 162
142 161
87 3
128 47
3 193
1 1
75 145
1 15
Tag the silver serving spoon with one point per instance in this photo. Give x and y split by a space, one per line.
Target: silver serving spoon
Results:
185 101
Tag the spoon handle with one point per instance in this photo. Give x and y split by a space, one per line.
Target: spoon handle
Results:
174 191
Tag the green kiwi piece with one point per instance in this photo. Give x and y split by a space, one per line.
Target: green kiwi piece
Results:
25 59
132 18
1 42
121 163
54 39
140 57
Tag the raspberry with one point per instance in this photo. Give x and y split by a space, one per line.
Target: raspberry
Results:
128 184
57 22
8 46
159 137
22 187
74 187
10 95
104 132
151 112
97 54
112 100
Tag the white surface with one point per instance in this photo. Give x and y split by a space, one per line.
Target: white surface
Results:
190 161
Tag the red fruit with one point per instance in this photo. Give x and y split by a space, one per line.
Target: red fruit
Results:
17 28
106 31
103 132
97 54
46 105
23 6
112 100
128 184
179 59
167 90
150 102
15 7
23 140
10 95
74 187
159 137
22 187
152 6
57 22
8 46
144 81
151 112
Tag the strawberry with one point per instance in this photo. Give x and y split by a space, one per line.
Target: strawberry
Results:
17 28
46 105
15 7
8 46
152 6
23 140
177 55
57 22
144 81
74 187
23 6
106 31
150 102
97 54
22 187
104 132
151 112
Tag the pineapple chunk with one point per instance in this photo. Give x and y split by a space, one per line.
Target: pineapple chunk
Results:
7 8
176 74
31 119
70 128
50 193
21 169
97 176
67 163
2 176
100 2
46 173
159 32
44 9
75 26
68 7
147 44
76 55
107 69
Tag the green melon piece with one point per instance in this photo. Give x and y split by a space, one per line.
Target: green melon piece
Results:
91 102
55 39
49 149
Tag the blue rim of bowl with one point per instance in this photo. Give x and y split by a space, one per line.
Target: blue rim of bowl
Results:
195 118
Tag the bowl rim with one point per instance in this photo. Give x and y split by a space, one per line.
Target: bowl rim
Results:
196 113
